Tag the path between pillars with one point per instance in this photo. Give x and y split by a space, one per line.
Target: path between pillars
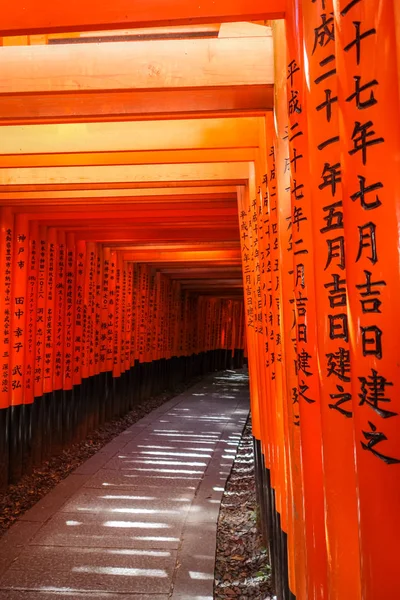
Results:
137 520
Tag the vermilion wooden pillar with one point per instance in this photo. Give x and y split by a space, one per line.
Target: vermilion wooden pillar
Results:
307 392
281 187
341 525
369 120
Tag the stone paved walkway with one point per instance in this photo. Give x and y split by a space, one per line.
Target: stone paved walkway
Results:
138 520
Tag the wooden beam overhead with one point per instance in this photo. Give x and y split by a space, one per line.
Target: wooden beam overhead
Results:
133 174
47 16
154 65
99 106
127 196
141 157
173 134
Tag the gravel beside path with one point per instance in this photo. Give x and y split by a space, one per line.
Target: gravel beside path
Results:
242 570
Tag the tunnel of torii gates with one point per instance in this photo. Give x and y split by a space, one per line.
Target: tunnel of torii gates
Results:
212 155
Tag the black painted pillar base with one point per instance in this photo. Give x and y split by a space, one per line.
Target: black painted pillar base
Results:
47 425
27 428
57 423
16 441
273 536
4 446
37 430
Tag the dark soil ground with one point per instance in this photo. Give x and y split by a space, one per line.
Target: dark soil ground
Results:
242 570
18 498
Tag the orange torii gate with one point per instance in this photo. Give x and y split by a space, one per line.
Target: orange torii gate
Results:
126 195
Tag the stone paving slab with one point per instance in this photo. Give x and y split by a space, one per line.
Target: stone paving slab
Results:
138 520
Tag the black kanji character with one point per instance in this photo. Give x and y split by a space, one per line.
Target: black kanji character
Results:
334 218
294 105
303 388
292 69
371 338
357 40
330 73
358 91
327 104
336 250
303 362
337 293
367 190
331 176
361 139
374 437
298 216
339 364
373 390
324 33
367 239
368 304
341 398
338 327
297 190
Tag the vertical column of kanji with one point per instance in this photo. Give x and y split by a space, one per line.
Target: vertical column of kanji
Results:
287 332
124 281
128 331
104 312
6 248
135 304
163 323
79 349
305 304
99 391
86 391
260 243
147 306
69 314
153 325
117 332
369 119
32 451
278 387
18 414
58 356
40 340
341 524
48 368
158 325
141 315
110 331
123 378
255 387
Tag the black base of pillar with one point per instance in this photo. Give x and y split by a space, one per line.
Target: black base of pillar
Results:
27 431
16 441
4 446
275 539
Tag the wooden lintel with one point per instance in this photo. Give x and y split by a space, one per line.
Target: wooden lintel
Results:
154 65
101 106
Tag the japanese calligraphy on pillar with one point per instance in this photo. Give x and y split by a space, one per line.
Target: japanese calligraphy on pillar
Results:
31 296
69 311
59 311
367 187
19 308
49 312
370 140
40 312
6 232
79 348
